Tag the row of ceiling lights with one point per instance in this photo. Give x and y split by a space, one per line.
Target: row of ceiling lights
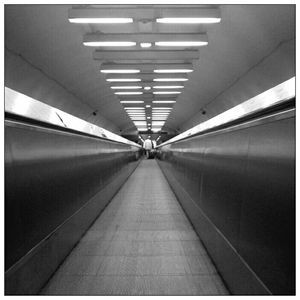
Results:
146 117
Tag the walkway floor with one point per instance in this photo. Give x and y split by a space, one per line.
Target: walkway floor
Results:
142 244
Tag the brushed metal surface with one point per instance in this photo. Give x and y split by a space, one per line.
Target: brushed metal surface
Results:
19 104
50 174
243 180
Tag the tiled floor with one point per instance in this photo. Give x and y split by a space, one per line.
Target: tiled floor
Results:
142 244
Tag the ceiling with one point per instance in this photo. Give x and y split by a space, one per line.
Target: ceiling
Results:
246 35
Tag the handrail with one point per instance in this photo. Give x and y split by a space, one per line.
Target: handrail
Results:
274 96
21 105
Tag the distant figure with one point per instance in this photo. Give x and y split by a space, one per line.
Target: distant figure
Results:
147 146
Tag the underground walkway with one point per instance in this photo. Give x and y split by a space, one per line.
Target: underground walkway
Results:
142 244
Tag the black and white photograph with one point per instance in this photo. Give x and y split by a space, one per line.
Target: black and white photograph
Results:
149 148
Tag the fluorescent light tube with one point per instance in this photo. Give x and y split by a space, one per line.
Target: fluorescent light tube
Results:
173 71
168 87
134 108
134 87
121 71
123 79
188 20
181 44
165 93
109 44
101 20
129 93
133 101
163 101
170 79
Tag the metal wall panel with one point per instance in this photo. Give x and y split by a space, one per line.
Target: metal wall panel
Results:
49 175
242 179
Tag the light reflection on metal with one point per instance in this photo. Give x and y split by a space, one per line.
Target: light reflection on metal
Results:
22 105
275 95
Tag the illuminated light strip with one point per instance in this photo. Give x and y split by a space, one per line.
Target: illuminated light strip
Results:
271 97
128 93
181 44
101 20
188 20
120 71
109 44
123 79
132 101
168 87
169 79
139 108
126 87
166 93
163 101
173 70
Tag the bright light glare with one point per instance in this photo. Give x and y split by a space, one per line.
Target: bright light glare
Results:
122 71
163 101
148 105
181 44
170 79
101 20
135 101
142 128
134 87
123 79
129 93
168 87
156 129
109 44
147 88
188 20
145 45
173 71
165 93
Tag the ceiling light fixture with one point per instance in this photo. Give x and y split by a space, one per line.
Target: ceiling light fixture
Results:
121 71
132 101
109 44
134 108
188 20
168 87
126 87
123 79
165 93
129 93
101 20
147 88
164 101
170 79
181 44
173 70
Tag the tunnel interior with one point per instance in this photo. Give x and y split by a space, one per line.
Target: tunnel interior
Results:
212 212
